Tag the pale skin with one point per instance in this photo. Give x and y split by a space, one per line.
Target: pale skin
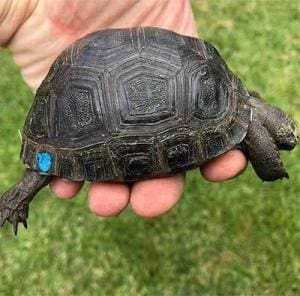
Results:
37 31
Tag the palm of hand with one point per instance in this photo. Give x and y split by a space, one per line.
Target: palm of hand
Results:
62 22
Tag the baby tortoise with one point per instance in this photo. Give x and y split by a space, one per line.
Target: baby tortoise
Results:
128 104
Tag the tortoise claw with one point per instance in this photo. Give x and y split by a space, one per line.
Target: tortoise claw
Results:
15 223
4 217
13 213
25 224
14 217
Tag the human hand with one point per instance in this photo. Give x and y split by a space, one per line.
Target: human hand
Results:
38 31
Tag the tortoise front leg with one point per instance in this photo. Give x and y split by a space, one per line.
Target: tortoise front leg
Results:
14 204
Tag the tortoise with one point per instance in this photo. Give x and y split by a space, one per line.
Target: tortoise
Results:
129 104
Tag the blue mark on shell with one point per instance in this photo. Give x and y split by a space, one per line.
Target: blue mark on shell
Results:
44 161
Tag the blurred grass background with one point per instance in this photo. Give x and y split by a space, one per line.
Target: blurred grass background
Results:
241 237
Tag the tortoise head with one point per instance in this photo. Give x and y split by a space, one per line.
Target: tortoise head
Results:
280 125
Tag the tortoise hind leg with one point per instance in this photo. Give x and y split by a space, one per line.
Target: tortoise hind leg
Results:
14 204
263 153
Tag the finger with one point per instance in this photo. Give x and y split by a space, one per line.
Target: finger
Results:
224 167
108 199
64 188
151 198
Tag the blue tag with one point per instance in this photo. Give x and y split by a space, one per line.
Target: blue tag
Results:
44 161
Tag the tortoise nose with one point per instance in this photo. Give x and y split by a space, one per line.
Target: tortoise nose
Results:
293 141
291 138
288 146
295 136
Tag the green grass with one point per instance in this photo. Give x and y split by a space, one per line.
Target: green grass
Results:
241 237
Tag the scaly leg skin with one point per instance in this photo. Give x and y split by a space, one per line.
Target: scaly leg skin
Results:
269 131
14 204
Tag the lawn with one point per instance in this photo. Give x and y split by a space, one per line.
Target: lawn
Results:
241 237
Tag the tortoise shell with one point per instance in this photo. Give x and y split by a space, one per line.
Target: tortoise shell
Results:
128 104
